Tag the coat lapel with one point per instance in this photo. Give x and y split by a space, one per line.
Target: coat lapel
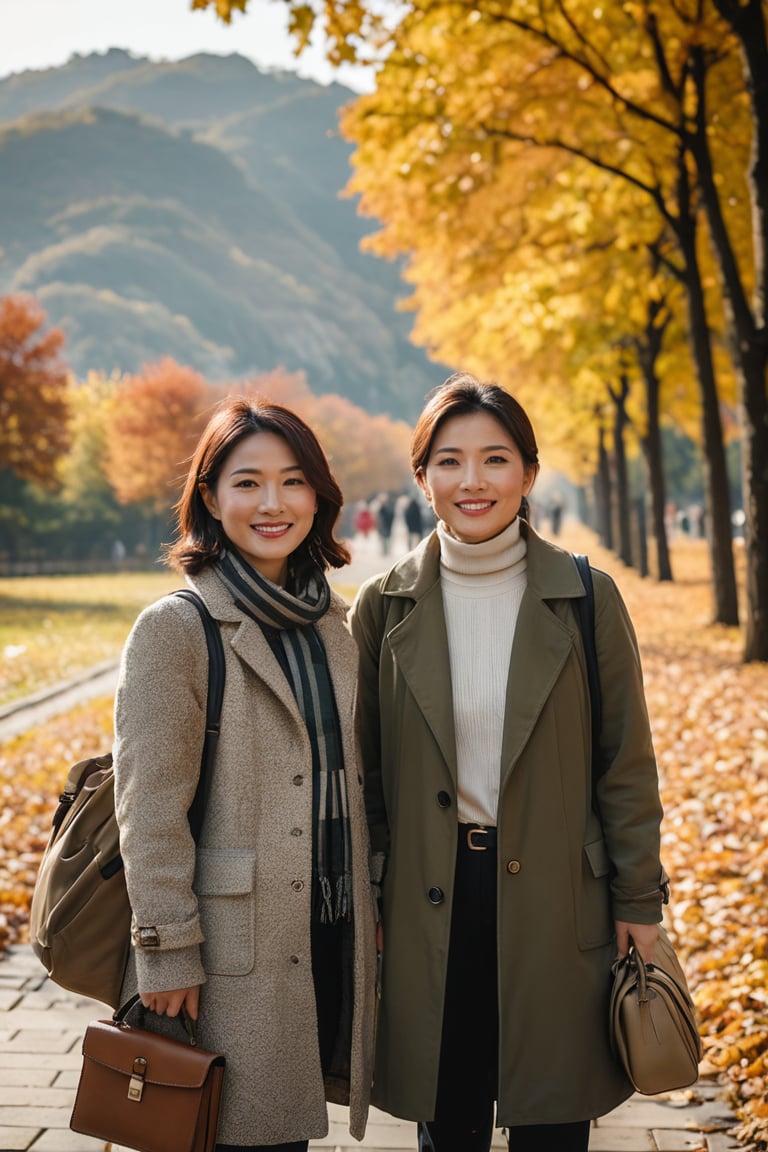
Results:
542 644
539 651
420 646
341 651
248 641
252 647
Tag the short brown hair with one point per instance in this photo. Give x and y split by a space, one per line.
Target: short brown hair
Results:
462 394
201 538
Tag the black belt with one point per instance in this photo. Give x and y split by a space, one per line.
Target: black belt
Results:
477 837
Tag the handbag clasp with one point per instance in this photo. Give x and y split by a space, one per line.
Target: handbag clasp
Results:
136 1083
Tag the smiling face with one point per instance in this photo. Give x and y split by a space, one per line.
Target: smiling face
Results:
475 477
264 503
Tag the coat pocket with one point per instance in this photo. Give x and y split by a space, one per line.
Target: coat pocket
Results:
595 923
224 886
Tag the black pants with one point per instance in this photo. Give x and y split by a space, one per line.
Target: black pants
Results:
296 1146
468 1075
327 976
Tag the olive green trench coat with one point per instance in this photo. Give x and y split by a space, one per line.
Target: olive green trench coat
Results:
563 874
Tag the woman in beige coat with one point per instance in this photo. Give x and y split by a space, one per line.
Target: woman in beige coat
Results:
264 930
507 892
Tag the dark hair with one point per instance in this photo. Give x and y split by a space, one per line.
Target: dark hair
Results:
201 538
462 394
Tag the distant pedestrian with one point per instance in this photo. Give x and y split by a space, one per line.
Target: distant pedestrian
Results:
414 521
364 521
385 516
556 513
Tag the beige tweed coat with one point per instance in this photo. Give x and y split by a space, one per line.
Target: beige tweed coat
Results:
234 915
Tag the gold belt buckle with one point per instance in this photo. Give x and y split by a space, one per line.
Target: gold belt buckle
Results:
476 832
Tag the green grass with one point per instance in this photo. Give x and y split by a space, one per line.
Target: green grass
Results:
52 627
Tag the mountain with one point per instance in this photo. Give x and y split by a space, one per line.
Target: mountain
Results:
193 209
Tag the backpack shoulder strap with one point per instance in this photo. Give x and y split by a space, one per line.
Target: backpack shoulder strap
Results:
584 608
213 707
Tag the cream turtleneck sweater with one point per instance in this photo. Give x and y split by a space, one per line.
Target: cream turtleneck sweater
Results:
482 587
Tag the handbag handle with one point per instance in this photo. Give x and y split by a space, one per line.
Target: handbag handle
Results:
642 977
634 961
120 1014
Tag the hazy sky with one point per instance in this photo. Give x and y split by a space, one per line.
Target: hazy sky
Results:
44 33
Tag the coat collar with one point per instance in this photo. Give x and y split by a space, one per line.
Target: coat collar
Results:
542 643
222 606
251 646
552 574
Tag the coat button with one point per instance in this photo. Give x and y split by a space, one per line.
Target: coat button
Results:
444 800
436 895
294 959
513 866
296 832
298 779
297 885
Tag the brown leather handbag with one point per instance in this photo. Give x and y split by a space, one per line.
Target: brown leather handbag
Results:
145 1091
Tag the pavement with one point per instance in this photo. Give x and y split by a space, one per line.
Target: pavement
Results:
41 1025
41 1030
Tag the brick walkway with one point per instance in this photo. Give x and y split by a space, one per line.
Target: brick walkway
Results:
41 1029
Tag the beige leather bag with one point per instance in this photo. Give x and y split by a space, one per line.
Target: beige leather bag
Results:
653 1021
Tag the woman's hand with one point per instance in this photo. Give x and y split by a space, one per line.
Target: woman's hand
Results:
171 1003
643 936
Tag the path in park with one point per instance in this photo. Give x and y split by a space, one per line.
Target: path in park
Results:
41 1029
41 1026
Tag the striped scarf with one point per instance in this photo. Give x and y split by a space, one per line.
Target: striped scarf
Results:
288 622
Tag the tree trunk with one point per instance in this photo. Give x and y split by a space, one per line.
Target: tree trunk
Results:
620 422
647 355
749 346
755 480
603 499
641 535
718 510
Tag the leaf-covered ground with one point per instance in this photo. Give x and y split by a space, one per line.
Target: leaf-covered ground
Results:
709 714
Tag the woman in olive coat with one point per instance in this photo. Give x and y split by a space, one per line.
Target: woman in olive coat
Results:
264 930
505 896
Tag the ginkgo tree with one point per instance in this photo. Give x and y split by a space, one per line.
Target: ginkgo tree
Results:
471 105
669 97
566 290
153 424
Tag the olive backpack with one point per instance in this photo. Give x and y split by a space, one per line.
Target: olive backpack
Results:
80 917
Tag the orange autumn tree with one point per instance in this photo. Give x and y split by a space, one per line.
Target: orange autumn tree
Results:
34 410
368 454
155 418
153 424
